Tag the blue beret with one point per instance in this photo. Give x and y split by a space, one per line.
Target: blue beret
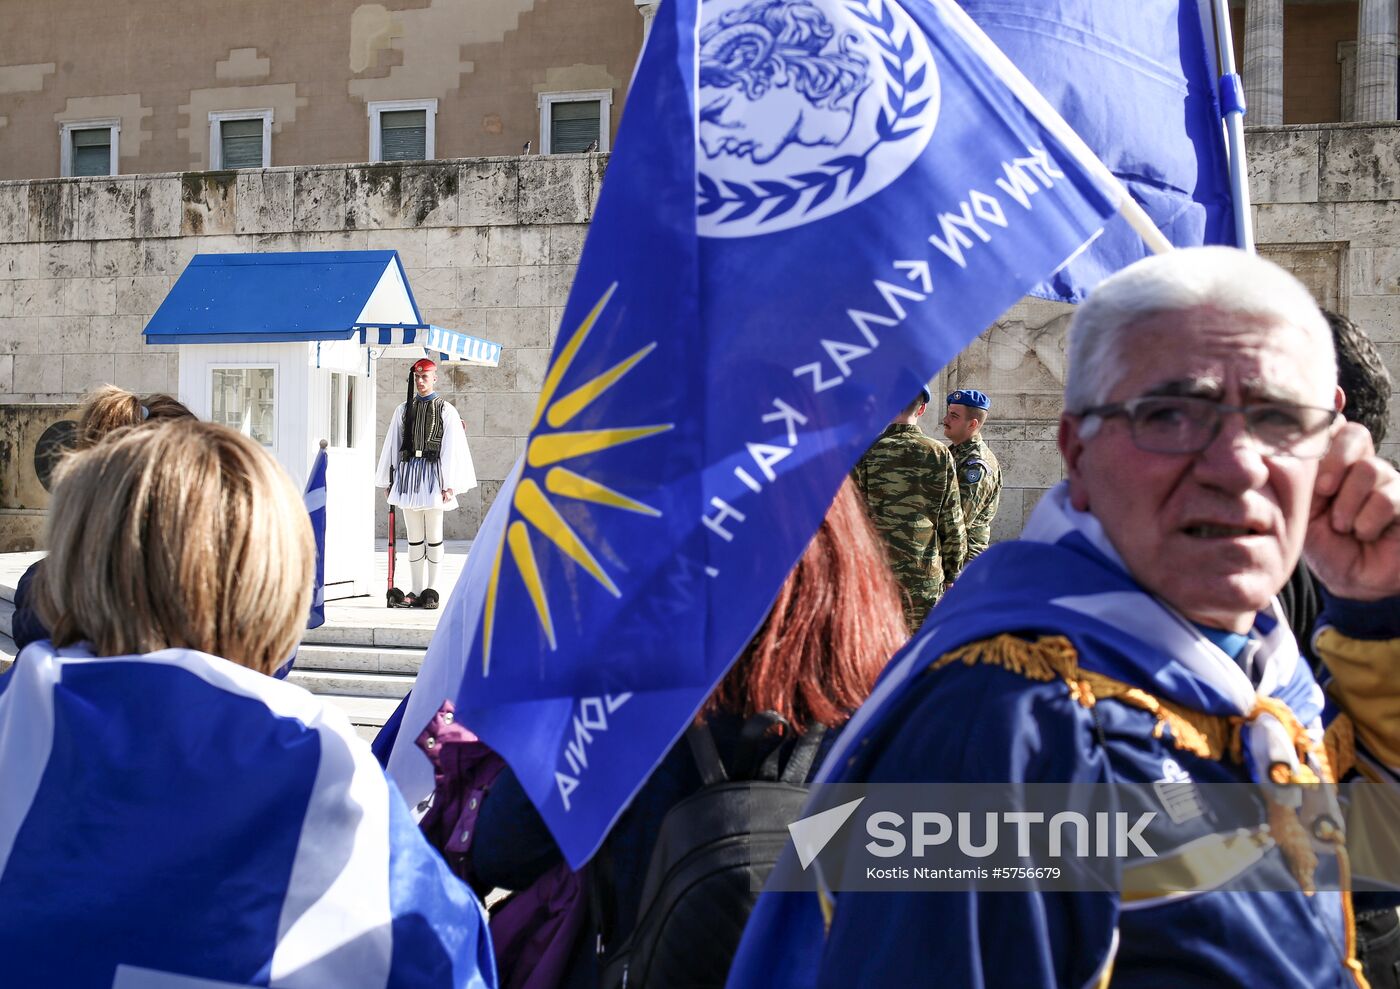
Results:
970 397
927 395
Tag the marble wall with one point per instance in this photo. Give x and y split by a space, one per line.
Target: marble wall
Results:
490 246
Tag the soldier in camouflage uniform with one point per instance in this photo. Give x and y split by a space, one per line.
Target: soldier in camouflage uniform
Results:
979 474
910 490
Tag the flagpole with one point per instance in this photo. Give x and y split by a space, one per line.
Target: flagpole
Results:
1051 120
1232 108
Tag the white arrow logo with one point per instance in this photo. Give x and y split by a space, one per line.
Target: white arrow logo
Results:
811 834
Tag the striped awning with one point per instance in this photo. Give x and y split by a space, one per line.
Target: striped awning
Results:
441 343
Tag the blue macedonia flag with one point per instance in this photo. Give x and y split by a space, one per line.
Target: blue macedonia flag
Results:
1136 81
813 206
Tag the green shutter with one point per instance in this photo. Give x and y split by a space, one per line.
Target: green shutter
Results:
403 135
573 126
242 142
92 151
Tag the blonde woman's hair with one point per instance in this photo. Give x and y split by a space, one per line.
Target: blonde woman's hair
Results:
182 534
110 408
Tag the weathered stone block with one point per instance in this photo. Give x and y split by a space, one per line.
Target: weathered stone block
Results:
489 490
531 365
554 190
39 374
7 374
118 335
1029 463
167 257
22 260
90 297
1359 164
412 246
1006 524
434 288
19 335
70 260
1367 224
217 244
14 212
263 201
84 372
488 288
518 328
66 334
8 291
53 210
429 196
566 243
157 206
1379 316
106 209
208 202
141 295
561 281
39 297
493 457
509 414
503 246
115 258
143 374
318 199
1290 223
471 406
456 247
1283 166
488 192
597 170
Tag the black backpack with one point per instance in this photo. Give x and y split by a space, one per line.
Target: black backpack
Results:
713 854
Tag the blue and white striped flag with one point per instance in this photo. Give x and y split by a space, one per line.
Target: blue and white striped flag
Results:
316 507
175 820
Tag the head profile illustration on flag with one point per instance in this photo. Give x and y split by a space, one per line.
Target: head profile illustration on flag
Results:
813 206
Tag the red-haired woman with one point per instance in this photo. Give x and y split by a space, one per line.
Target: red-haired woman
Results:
836 621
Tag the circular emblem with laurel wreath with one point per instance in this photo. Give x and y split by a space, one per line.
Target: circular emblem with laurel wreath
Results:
807 107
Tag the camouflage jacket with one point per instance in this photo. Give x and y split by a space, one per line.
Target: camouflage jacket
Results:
979 486
910 490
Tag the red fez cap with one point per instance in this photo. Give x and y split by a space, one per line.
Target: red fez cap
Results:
424 365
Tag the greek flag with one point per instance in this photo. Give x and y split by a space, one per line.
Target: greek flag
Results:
813 206
315 499
1138 82
176 821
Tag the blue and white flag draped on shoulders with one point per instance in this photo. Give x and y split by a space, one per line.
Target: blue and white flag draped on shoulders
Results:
813 206
177 821
1136 81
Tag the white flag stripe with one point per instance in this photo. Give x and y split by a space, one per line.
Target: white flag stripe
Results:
26 707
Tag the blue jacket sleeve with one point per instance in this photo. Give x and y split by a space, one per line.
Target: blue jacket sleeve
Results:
979 724
25 625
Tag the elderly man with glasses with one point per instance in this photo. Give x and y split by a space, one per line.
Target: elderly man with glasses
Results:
1131 641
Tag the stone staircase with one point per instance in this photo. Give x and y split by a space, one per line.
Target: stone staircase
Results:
357 660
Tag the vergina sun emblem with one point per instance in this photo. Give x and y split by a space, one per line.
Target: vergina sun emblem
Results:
806 107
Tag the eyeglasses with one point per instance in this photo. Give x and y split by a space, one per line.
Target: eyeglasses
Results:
1172 424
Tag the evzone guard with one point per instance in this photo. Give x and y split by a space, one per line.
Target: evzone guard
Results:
424 465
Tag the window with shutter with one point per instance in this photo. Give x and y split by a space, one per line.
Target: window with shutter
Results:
574 126
403 135
92 151
241 143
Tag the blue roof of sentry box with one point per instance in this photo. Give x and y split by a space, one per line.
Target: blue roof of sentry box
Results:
307 295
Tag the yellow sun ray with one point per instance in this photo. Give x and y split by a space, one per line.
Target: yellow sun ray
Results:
577 400
565 483
490 616
531 502
567 355
554 447
519 539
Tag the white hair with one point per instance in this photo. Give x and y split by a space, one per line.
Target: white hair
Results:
1223 278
